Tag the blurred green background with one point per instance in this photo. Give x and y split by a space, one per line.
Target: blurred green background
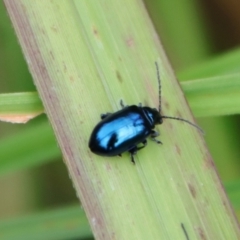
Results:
192 33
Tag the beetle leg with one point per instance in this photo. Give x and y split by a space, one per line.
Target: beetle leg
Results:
155 134
104 115
122 104
134 150
132 158
144 142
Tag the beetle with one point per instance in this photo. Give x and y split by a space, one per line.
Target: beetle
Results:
125 129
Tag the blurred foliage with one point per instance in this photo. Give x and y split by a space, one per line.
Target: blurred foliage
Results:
192 32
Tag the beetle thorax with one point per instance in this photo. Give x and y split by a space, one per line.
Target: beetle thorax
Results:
153 116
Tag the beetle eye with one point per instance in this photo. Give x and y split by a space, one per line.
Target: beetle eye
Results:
160 120
157 117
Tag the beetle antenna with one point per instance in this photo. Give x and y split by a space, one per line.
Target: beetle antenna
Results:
184 120
159 87
160 102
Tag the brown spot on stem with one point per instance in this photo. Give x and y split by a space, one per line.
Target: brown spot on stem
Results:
113 235
68 150
54 28
119 77
51 55
130 42
192 190
42 31
78 172
108 167
95 31
166 104
201 233
71 78
208 161
178 114
178 149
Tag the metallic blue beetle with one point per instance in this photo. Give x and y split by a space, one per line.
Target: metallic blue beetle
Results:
123 130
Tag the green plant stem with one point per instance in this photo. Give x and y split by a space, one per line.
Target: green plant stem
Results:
84 57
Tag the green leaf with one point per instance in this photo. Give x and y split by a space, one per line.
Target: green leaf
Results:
214 96
19 107
84 58
225 64
64 223
32 146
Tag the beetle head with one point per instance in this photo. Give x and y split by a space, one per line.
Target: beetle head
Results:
153 115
